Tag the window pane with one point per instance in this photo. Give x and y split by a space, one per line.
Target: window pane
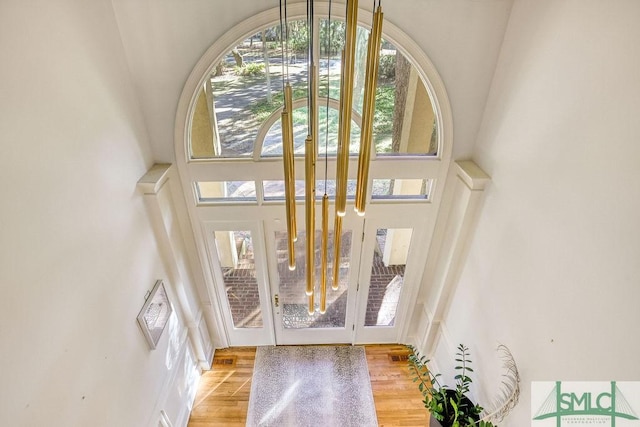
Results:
400 189
235 254
274 190
404 121
246 87
217 191
331 44
272 144
387 274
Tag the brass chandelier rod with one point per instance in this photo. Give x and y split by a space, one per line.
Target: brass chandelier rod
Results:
311 142
324 253
368 109
344 132
346 105
287 140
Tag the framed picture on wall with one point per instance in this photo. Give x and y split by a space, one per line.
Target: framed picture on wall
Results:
155 314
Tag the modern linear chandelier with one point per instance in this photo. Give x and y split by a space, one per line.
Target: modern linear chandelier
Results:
348 59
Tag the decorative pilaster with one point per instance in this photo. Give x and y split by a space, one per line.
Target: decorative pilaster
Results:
449 249
155 188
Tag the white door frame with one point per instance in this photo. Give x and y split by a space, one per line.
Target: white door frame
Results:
242 336
411 282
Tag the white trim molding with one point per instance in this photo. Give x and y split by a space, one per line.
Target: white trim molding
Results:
178 390
160 201
454 230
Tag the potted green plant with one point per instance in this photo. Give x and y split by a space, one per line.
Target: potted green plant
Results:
449 406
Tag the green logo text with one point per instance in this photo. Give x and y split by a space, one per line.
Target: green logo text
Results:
610 403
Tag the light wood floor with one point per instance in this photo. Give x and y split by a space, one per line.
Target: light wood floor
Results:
223 393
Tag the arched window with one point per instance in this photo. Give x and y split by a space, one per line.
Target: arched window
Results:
229 155
238 109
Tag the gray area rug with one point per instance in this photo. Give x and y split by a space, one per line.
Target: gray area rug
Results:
299 386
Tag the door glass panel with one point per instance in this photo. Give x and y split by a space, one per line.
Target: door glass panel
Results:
236 257
294 301
387 274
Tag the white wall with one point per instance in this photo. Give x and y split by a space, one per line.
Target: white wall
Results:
553 269
164 39
77 252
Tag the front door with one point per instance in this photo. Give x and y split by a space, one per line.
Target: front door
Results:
264 303
292 320
380 269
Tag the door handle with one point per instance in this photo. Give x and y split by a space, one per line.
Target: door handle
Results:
276 300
